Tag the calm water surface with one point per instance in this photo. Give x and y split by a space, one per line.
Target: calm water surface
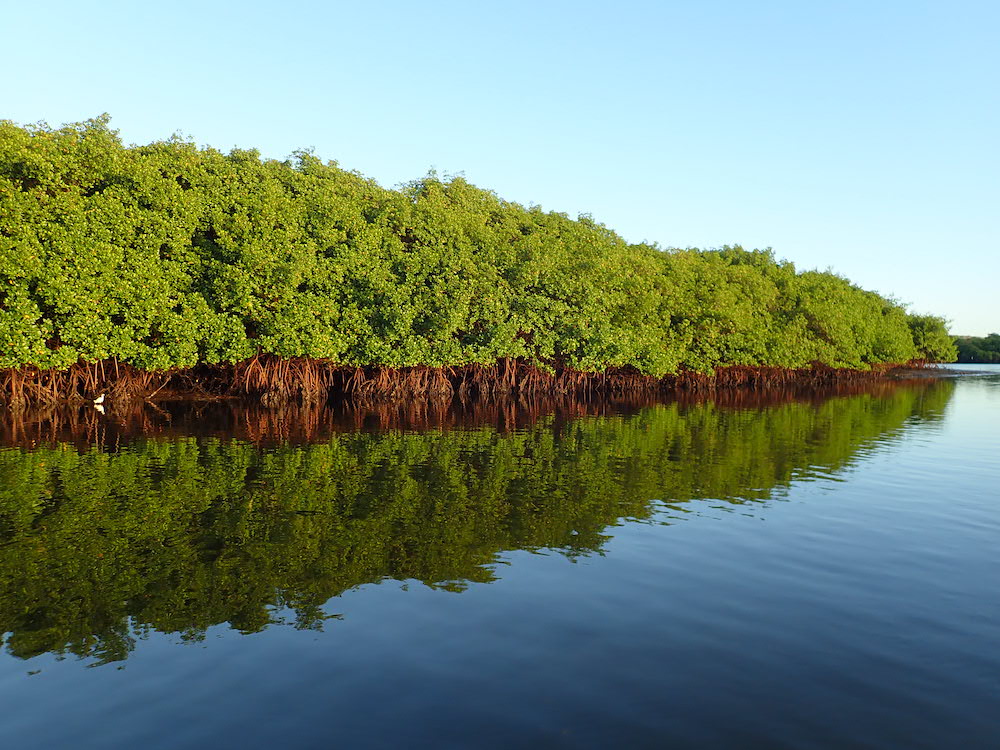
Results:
816 573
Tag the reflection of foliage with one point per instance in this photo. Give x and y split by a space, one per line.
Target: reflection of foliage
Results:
99 547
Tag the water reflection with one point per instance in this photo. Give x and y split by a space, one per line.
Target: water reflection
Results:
177 518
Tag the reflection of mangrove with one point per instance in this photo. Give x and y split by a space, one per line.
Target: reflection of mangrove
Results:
101 545
248 420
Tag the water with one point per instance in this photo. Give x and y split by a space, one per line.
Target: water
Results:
816 573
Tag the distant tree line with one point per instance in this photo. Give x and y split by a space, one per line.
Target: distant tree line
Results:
979 348
169 255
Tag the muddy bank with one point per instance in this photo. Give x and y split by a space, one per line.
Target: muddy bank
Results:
933 371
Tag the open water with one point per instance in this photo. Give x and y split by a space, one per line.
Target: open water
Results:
815 572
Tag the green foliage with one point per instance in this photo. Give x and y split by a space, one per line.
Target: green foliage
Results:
170 255
985 349
100 545
930 336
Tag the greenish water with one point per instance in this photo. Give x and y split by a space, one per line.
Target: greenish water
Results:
815 573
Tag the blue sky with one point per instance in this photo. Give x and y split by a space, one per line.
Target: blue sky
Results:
857 136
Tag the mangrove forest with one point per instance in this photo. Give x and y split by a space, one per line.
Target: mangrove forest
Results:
131 269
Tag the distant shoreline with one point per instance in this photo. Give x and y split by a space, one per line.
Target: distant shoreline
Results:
939 371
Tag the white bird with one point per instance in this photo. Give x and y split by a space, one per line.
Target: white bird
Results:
99 408
99 400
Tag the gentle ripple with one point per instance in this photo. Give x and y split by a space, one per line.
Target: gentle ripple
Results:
804 575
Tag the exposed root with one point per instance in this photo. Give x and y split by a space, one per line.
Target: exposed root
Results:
250 420
277 382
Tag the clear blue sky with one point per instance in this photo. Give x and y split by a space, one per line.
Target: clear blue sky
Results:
860 136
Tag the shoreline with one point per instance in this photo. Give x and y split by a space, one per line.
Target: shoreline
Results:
936 371
248 419
273 381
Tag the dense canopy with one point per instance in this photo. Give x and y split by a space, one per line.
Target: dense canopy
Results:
169 255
